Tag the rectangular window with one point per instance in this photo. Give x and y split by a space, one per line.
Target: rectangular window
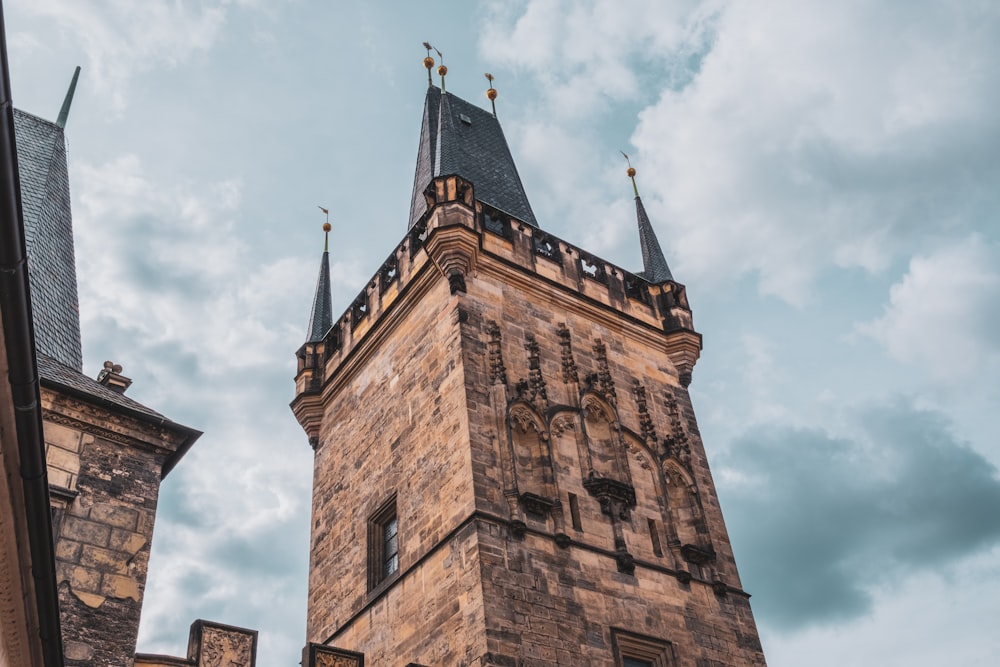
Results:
383 543
632 650
574 512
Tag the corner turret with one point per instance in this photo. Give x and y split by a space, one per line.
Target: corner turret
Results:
654 264
321 317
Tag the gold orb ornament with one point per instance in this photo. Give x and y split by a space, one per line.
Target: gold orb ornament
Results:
442 70
491 94
631 172
327 226
428 62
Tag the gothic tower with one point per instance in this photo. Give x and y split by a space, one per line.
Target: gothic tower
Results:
508 470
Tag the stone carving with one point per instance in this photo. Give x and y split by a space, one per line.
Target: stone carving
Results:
604 382
616 498
498 372
645 420
226 649
536 383
563 422
676 445
569 370
536 504
317 655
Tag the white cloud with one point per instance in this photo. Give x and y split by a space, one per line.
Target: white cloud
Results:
945 312
783 138
122 39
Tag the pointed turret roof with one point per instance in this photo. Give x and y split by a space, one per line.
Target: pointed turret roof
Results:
654 264
457 137
321 317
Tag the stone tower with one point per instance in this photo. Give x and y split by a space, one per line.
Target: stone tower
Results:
508 470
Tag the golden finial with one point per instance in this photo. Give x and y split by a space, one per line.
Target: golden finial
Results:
429 63
631 173
491 93
326 229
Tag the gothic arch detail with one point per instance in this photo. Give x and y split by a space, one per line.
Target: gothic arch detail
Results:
533 474
600 423
689 532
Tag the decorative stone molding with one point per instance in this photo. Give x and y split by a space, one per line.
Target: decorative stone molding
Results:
605 384
537 392
616 498
569 369
693 553
318 655
536 504
498 372
645 420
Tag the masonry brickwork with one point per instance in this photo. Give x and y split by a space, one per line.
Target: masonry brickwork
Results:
524 404
105 466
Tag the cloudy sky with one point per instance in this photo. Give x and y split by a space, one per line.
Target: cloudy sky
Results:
824 177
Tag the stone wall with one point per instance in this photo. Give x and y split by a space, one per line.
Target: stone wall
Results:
527 405
105 467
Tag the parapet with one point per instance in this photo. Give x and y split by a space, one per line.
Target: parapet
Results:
460 237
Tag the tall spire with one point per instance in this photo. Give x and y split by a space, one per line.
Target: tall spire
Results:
64 111
654 264
457 137
321 318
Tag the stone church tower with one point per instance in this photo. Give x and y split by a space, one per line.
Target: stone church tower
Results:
508 470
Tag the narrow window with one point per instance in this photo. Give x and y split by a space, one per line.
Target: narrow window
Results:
574 512
654 537
390 541
383 543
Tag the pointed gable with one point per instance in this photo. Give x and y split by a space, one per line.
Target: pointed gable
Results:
457 137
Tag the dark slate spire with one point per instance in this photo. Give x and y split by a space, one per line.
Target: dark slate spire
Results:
48 230
654 264
64 111
457 137
321 318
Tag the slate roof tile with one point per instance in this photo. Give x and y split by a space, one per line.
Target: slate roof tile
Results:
457 137
48 227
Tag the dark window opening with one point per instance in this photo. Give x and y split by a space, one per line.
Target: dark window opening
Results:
654 537
632 650
383 544
574 512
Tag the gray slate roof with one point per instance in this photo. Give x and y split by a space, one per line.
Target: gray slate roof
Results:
55 372
48 229
457 137
654 264
321 318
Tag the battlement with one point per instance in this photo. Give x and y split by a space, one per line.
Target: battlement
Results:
459 236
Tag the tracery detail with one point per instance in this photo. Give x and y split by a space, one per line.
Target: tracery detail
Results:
498 372
569 370
604 382
675 444
536 383
645 420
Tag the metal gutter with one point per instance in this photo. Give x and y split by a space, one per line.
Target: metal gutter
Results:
23 376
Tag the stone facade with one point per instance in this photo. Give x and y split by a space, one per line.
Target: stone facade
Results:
523 407
105 464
